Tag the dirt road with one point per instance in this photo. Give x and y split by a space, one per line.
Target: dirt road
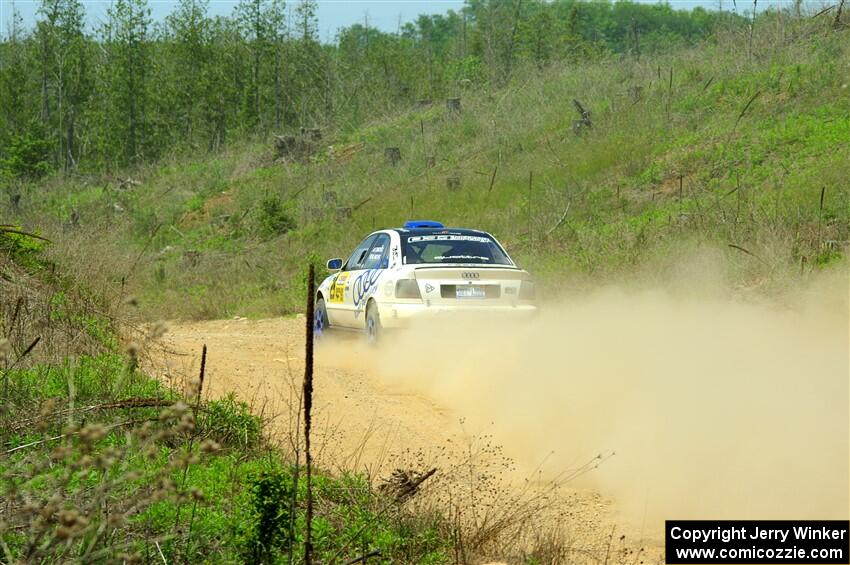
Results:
643 374
363 422
360 420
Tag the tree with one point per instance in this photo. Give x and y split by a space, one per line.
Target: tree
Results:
14 111
310 65
125 38
74 81
494 41
189 36
537 34
277 38
134 91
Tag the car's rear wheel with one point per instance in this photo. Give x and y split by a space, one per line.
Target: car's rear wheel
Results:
373 323
320 318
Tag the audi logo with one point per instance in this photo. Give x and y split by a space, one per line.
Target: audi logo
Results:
471 275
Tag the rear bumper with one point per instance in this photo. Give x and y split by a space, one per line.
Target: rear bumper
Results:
402 315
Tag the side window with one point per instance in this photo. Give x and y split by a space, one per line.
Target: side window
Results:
378 254
357 258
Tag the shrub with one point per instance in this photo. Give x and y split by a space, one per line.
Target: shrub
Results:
270 530
230 422
274 217
27 156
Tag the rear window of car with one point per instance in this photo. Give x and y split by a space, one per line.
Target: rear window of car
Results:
453 248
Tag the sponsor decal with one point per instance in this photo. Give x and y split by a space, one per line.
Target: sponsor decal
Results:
338 288
364 286
429 287
469 275
448 237
375 255
460 257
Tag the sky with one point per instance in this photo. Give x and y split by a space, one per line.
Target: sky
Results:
333 14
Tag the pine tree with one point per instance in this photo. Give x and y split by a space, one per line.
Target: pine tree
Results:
251 16
309 79
74 82
125 38
14 112
189 38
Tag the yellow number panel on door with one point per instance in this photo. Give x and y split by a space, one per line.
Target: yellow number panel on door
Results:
338 288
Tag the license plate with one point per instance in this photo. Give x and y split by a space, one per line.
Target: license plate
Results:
470 292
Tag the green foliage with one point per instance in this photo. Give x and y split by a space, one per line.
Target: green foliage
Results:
27 156
274 217
230 422
24 249
86 378
132 92
270 532
227 506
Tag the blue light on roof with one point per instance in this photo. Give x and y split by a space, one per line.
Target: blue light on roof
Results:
410 224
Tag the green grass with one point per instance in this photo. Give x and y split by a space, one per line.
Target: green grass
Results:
229 233
197 505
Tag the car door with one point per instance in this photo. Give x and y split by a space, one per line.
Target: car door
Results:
364 281
340 303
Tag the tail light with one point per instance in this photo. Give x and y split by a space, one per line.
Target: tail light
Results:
527 291
407 288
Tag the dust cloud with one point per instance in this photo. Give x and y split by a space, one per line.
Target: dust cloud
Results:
716 406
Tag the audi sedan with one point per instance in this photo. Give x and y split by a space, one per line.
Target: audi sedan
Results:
421 270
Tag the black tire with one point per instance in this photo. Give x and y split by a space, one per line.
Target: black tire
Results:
320 319
373 324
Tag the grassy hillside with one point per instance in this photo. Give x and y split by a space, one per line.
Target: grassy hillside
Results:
739 144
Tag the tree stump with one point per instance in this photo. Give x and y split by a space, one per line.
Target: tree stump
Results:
297 147
128 184
313 213
393 155
311 134
285 145
579 127
191 258
453 183
423 103
73 221
15 200
635 93
343 212
453 106
329 196
430 161
585 123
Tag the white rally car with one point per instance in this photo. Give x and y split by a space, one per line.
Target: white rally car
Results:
423 269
